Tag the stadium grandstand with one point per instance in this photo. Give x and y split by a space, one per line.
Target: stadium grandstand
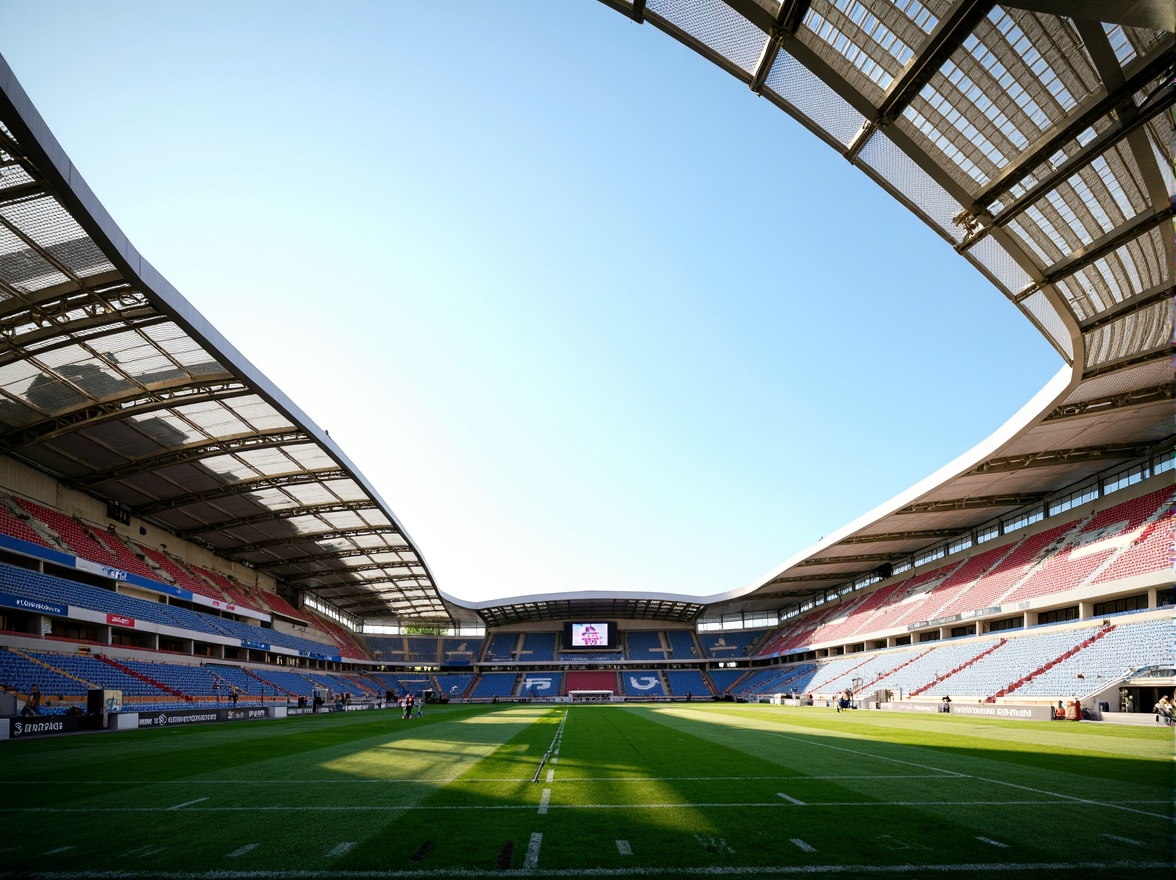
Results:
174 527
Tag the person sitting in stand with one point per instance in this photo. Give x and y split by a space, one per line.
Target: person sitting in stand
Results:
1165 710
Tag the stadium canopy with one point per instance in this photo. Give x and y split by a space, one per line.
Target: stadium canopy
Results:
1032 137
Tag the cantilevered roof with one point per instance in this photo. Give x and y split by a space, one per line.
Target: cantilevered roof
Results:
113 383
1035 138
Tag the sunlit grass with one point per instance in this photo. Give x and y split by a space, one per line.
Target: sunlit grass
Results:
660 788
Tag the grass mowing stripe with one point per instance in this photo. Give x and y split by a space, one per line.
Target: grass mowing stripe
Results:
714 870
868 754
545 807
485 779
1071 797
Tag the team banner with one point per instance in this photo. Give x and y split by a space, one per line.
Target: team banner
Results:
109 571
20 602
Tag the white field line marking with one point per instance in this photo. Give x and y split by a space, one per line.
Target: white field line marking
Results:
550 775
531 861
1111 804
978 778
868 755
1123 839
394 808
59 849
341 849
623 848
719 870
790 799
187 803
142 851
802 845
247 848
989 840
543 801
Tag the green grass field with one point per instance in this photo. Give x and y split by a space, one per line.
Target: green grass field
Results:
653 790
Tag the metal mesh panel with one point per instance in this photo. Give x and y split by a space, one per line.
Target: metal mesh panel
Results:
23 268
49 227
1000 265
1126 271
800 88
1036 241
717 26
1133 334
868 44
927 196
12 175
1142 376
1043 311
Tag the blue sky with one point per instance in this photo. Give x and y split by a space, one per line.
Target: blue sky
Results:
586 312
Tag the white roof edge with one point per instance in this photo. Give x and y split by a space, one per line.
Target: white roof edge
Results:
1055 391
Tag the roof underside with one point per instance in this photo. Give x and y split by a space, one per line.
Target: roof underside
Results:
1034 138
105 385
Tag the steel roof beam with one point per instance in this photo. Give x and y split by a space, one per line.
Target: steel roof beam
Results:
976 502
945 38
350 553
309 538
277 515
847 560
1154 65
242 487
1156 294
359 569
891 537
1156 15
780 28
191 454
1113 401
135 318
1055 457
121 407
1100 247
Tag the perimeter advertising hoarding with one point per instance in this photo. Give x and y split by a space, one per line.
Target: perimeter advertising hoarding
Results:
983 710
22 728
184 717
590 635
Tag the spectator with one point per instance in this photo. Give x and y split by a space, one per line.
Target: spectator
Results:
1165 710
35 700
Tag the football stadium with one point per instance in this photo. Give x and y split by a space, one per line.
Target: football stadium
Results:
223 654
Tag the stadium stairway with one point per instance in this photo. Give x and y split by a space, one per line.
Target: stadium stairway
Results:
865 688
962 666
1021 682
167 689
818 688
268 683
